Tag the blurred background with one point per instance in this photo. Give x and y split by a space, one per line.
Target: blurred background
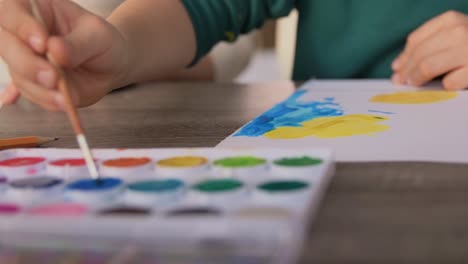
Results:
273 56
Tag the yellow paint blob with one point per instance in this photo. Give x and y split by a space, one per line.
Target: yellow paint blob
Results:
416 97
183 162
332 127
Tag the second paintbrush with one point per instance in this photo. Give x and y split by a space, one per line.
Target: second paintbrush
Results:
69 106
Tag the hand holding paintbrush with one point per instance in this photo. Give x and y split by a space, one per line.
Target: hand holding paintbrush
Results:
93 52
69 105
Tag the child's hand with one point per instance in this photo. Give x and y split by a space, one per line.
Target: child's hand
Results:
437 48
91 50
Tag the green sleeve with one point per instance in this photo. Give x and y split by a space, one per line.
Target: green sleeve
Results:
217 20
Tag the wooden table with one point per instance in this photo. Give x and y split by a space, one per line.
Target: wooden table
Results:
373 212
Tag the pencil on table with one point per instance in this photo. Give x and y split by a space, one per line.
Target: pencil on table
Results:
24 142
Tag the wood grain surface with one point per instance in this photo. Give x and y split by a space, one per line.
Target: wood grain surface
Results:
373 212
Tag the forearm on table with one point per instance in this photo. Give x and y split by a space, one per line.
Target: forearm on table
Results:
160 37
202 71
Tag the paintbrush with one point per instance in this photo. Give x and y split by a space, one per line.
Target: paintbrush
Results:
69 106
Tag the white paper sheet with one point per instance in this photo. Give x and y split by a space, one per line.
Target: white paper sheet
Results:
435 132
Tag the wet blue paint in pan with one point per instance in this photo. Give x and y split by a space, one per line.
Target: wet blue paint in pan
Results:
90 185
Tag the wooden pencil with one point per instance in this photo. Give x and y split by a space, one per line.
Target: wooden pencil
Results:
69 106
24 142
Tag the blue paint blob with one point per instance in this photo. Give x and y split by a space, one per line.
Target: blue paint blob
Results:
381 112
103 184
290 113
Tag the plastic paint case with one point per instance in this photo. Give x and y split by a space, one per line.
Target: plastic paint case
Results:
22 166
68 168
243 167
199 200
35 189
187 168
152 192
90 191
305 167
127 168
263 212
221 192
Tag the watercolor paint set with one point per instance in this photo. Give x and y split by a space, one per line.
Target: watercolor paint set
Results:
237 202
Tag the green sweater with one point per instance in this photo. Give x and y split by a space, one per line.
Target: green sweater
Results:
336 38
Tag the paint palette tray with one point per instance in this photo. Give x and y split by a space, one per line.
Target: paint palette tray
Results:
202 203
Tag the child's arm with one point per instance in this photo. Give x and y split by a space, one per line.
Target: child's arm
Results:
439 47
210 21
142 40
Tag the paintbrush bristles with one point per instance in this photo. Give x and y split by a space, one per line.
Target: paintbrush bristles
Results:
88 156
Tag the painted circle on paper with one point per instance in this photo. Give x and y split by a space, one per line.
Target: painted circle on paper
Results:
414 97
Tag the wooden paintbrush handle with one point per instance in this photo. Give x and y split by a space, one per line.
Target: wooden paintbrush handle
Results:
70 108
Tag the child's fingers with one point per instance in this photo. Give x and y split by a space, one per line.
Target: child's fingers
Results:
81 44
446 20
9 95
36 94
456 80
16 17
438 47
24 63
399 61
435 44
435 65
